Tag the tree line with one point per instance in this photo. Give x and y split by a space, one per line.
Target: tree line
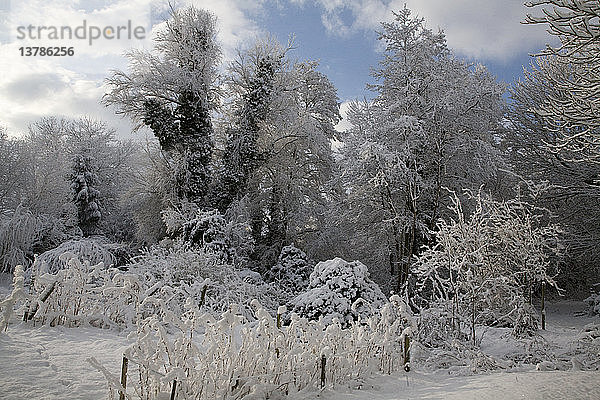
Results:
252 141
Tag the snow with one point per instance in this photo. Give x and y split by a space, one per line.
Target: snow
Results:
50 362
519 385
334 289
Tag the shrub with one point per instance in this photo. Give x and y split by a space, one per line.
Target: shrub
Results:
483 268
23 234
182 271
593 303
17 295
80 293
94 249
17 236
339 289
291 272
232 357
210 230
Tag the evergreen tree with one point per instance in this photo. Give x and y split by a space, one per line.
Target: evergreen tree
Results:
85 195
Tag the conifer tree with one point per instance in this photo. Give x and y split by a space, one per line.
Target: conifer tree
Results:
85 194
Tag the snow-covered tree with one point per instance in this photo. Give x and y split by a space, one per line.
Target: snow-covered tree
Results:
52 144
15 171
431 125
252 79
575 23
85 194
49 190
172 90
553 135
277 154
571 186
572 71
485 266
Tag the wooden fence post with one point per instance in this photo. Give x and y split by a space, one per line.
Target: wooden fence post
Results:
407 353
123 378
30 313
544 305
173 389
202 296
323 363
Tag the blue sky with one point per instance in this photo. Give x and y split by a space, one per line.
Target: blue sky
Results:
348 58
339 33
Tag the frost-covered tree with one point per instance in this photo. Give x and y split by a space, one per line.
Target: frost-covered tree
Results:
298 160
572 71
571 185
553 136
431 125
485 266
172 90
575 23
47 214
252 79
85 194
53 143
277 155
49 189
15 171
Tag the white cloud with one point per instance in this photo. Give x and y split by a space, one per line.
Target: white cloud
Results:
486 29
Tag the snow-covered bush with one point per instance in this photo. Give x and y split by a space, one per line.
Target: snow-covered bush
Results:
587 347
7 306
81 293
593 302
291 272
339 290
483 269
95 250
232 357
23 234
208 229
525 320
17 235
181 271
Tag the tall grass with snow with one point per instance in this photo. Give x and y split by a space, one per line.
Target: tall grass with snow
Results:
235 357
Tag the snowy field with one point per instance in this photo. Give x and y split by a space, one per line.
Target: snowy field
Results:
49 363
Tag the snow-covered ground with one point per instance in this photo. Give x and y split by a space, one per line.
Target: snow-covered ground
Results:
517 385
49 363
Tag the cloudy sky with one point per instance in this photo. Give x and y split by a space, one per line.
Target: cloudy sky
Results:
339 33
